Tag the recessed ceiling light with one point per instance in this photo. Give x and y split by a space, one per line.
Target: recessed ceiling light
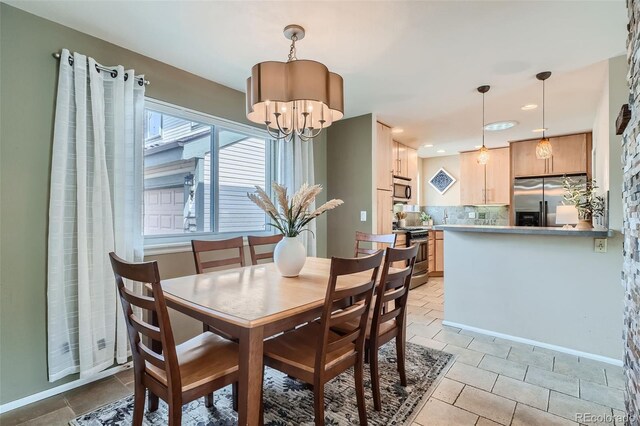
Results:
427 145
529 107
440 151
540 130
500 125
397 130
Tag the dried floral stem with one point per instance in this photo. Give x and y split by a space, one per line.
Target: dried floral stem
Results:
292 214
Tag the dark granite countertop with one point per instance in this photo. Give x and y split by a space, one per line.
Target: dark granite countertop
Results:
526 230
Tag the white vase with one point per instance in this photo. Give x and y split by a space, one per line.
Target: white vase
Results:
289 256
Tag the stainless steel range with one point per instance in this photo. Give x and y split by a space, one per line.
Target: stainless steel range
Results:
419 235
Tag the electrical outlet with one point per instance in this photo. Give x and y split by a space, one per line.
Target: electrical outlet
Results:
482 215
472 215
600 245
363 216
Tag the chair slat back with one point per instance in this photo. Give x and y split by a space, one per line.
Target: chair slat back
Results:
199 247
363 237
257 241
335 313
393 288
155 307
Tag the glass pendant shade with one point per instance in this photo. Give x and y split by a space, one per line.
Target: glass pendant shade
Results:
544 149
483 155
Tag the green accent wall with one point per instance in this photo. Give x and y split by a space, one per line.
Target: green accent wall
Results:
28 81
350 178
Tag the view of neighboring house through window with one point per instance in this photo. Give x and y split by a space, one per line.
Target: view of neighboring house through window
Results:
197 172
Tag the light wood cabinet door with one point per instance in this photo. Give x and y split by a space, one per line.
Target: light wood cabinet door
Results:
412 173
524 160
384 212
471 179
569 155
439 255
498 173
384 157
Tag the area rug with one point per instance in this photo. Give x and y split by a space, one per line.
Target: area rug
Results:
290 402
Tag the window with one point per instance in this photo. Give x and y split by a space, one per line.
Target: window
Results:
197 172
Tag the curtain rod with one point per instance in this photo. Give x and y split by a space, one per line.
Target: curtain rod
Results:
114 73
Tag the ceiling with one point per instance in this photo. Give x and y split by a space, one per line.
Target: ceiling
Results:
414 64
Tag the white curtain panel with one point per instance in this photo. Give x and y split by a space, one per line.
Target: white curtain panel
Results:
95 207
295 167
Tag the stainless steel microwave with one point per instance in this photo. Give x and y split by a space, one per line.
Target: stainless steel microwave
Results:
401 188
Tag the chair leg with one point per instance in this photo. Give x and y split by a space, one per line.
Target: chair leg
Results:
400 354
318 403
234 393
153 401
375 379
261 420
138 404
359 372
208 400
175 414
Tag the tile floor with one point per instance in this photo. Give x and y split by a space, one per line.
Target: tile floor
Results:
492 382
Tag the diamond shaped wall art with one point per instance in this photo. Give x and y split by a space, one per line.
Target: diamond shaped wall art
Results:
442 181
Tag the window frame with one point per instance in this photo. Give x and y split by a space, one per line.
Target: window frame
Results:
161 242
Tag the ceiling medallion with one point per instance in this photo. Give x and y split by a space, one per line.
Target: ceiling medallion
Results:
298 98
483 153
544 149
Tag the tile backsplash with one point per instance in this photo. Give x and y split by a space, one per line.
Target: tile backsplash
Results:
459 215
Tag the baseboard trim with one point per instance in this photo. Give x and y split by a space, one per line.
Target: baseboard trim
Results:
556 348
62 388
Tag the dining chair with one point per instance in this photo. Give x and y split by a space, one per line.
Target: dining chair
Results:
256 241
201 246
180 373
315 354
387 319
363 237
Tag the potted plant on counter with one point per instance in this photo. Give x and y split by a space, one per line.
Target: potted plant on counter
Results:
583 196
290 218
426 219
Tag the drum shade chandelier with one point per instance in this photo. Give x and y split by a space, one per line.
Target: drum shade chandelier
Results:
297 98
544 149
483 153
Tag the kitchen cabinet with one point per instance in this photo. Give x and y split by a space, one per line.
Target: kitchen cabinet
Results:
498 175
412 173
401 159
472 177
384 157
571 155
485 184
435 248
384 212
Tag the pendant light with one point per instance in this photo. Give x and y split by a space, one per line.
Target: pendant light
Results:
543 148
296 99
483 153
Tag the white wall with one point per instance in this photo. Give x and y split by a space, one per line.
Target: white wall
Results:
429 167
550 289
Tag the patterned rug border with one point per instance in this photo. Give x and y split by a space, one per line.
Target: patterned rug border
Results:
408 421
425 397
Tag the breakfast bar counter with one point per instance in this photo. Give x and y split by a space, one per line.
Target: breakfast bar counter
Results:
540 286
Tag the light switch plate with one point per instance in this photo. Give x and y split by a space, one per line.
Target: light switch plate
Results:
600 245
363 216
472 215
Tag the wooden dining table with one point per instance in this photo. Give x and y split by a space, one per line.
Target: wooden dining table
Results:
253 303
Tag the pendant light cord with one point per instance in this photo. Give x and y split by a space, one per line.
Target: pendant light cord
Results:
543 126
483 120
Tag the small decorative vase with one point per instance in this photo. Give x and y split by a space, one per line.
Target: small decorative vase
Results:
425 223
402 223
289 256
584 224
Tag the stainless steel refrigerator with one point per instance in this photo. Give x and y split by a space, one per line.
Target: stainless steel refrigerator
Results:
536 199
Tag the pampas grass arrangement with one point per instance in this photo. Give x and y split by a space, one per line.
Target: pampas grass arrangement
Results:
292 214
